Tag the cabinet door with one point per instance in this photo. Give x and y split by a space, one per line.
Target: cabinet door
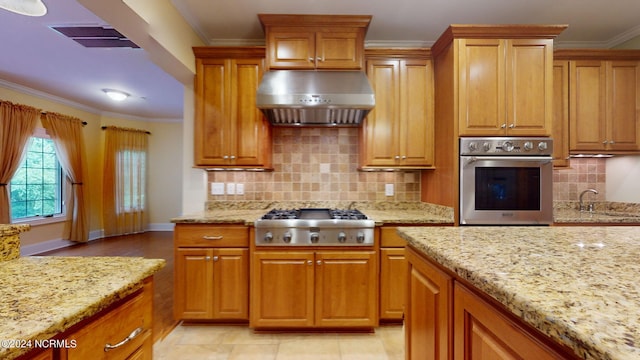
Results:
346 289
393 280
428 311
193 280
587 106
380 131
339 50
482 108
230 284
282 289
416 142
561 113
249 132
623 100
212 112
291 48
483 333
529 87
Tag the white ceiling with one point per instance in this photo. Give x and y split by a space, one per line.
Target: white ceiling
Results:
38 59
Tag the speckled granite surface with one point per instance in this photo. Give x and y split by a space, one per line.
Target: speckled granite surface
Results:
43 296
246 212
577 284
604 213
10 240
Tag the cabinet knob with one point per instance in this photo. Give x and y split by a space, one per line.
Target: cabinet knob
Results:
309 262
605 142
397 157
311 59
611 142
319 262
512 126
232 157
207 258
318 58
215 258
503 126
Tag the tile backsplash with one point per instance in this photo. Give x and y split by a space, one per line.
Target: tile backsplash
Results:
317 164
582 174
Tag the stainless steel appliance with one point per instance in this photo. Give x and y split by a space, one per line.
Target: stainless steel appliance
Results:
315 98
314 227
506 181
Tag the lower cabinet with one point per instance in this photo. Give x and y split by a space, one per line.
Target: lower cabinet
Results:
314 288
447 320
124 332
393 275
211 279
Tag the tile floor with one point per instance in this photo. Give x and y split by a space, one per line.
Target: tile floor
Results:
196 342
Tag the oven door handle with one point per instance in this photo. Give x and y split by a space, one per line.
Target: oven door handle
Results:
539 159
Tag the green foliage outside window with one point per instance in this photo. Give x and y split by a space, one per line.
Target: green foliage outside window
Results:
36 188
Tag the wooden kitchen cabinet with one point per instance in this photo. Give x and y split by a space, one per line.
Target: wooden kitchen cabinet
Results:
399 131
229 130
314 288
429 312
505 87
481 332
560 127
211 273
605 104
315 41
121 332
393 275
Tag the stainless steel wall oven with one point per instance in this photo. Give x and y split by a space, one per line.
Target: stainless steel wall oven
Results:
506 181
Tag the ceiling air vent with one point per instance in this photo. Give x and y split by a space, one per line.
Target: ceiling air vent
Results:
96 36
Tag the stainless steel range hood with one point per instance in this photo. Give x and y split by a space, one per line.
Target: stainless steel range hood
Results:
315 98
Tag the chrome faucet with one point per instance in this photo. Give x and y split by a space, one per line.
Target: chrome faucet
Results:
590 207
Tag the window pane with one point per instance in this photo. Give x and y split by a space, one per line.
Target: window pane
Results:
36 188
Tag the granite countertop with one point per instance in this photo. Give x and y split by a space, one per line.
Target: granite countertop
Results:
576 284
10 240
247 212
604 213
44 296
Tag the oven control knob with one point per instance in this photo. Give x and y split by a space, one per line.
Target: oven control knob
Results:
360 237
507 146
315 237
528 146
486 146
473 146
268 237
342 237
286 237
542 146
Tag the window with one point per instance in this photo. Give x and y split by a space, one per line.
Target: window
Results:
37 186
132 165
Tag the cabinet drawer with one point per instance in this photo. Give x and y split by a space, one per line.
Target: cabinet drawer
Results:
390 238
204 235
116 335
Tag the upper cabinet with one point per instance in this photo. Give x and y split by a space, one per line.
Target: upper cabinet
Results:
560 131
229 130
399 131
604 100
329 42
505 86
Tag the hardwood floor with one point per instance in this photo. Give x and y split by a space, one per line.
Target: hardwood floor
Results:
153 244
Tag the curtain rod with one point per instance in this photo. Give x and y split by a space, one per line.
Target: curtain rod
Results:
44 113
146 132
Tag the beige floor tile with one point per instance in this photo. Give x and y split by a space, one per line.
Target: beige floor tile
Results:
362 349
309 348
254 352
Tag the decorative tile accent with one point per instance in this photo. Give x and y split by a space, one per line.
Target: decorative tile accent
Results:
582 174
318 164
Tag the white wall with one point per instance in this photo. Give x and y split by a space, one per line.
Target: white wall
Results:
623 179
194 181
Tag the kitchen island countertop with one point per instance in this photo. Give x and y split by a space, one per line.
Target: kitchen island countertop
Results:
576 284
44 296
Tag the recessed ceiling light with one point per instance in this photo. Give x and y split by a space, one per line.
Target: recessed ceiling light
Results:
24 7
116 95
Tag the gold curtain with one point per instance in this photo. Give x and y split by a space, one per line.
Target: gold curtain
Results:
17 123
124 183
67 136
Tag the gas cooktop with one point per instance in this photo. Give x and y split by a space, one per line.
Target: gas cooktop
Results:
314 214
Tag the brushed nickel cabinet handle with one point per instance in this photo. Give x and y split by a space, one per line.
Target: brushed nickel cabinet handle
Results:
503 126
512 126
207 237
309 262
134 334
